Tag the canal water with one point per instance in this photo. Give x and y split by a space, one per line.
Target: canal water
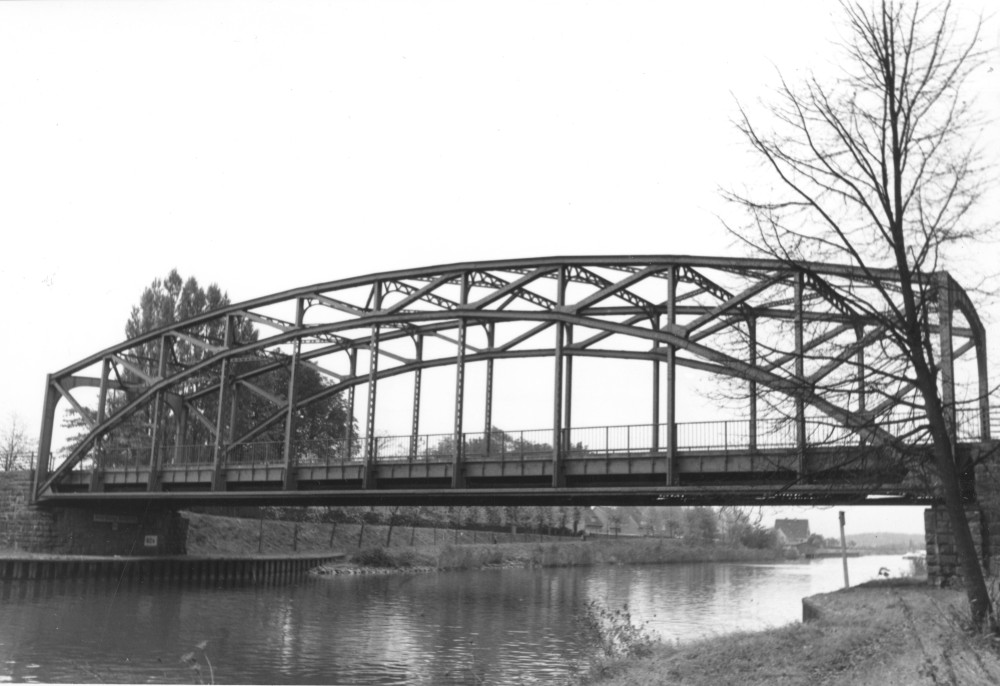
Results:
512 626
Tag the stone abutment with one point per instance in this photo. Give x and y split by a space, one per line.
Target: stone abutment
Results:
84 531
984 522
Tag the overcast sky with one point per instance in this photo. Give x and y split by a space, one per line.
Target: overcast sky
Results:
267 145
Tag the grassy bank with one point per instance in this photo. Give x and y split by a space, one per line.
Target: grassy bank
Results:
442 549
558 554
879 634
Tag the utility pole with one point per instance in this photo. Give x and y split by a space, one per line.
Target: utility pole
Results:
843 551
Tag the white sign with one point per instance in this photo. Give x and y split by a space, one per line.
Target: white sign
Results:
151 541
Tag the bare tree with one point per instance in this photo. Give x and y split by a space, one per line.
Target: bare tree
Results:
878 169
14 445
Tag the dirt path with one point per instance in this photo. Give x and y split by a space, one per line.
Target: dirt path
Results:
935 649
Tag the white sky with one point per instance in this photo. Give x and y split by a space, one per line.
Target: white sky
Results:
267 145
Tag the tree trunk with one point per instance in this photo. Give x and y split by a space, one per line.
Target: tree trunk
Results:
392 521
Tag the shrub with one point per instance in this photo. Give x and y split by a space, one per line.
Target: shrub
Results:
610 636
758 537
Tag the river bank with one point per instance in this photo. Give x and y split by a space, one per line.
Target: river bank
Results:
546 554
373 549
877 634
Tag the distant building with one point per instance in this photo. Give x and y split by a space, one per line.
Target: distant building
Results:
792 531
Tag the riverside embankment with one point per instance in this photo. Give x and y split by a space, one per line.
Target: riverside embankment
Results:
374 548
238 550
878 634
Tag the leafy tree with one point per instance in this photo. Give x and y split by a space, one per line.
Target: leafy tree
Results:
14 445
499 443
320 428
701 524
879 169
513 516
737 522
492 516
615 520
756 536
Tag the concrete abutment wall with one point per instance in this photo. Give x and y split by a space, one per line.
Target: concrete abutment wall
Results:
84 531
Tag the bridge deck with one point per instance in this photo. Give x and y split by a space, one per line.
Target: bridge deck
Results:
834 474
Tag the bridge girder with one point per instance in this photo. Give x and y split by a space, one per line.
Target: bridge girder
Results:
759 321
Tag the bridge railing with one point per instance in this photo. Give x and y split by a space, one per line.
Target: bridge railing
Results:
577 442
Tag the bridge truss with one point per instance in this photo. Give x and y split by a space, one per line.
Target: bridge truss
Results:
242 404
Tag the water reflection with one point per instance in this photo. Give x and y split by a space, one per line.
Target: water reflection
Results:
491 627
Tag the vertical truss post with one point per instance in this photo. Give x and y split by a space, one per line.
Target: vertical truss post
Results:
752 335
415 422
234 403
946 303
671 470
557 393
859 334
800 406
293 373
45 437
153 481
457 475
219 450
984 386
353 357
181 448
368 476
567 427
96 483
655 446
488 419
557 389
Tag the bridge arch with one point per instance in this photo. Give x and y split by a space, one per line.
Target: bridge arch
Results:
765 323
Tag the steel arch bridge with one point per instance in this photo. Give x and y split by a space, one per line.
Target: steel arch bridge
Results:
222 408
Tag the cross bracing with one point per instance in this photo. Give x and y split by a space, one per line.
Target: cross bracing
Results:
801 344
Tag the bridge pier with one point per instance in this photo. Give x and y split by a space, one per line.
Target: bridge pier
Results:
984 522
943 568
